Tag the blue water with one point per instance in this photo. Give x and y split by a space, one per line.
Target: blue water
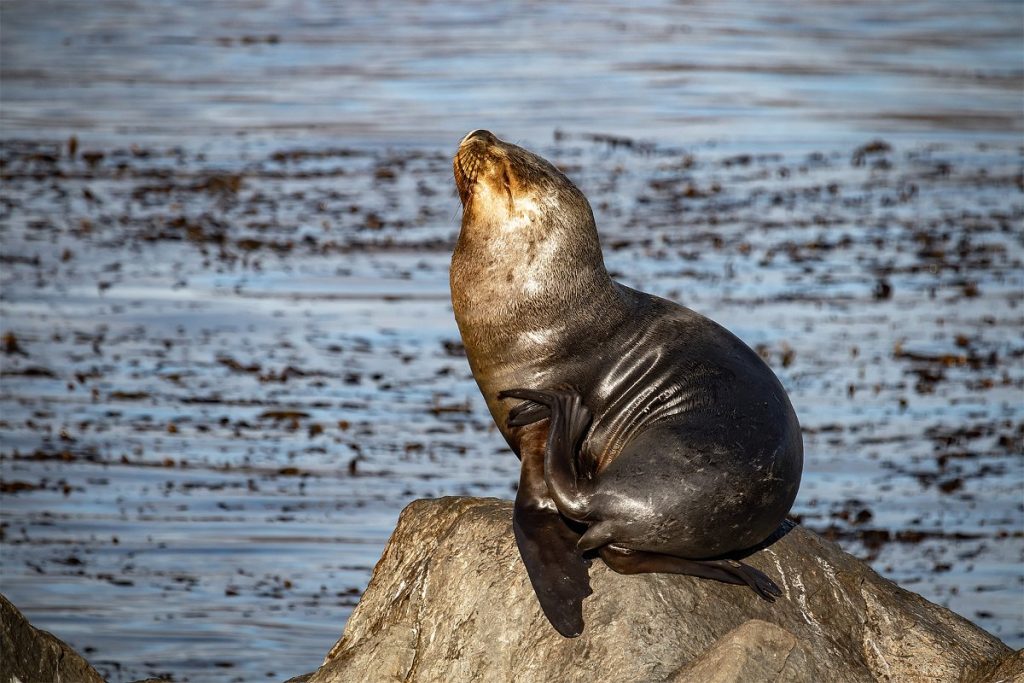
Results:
426 72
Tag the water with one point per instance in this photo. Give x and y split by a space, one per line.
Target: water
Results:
427 72
233 359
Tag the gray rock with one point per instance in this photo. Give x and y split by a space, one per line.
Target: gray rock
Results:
1010 670
753 651
450 601
30 655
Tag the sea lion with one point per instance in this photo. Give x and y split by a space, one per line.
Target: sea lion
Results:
648 434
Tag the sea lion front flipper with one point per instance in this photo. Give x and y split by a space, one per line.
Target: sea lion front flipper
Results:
557 571
569 421
546 542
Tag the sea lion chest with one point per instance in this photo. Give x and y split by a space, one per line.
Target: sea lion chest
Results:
529 313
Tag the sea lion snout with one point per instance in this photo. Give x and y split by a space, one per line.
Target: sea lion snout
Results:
485 135
482 173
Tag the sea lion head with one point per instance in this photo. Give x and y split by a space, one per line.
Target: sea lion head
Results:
505 187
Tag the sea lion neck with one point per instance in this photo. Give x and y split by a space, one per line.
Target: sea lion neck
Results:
530 273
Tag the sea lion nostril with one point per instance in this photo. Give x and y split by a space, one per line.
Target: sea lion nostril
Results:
485 135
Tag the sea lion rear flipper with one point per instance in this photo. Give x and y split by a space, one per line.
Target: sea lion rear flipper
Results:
626 561
557 571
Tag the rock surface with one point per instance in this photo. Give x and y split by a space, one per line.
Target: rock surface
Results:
450 600
30 655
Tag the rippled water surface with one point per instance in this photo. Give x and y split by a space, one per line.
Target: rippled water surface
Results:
426 72
228 355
